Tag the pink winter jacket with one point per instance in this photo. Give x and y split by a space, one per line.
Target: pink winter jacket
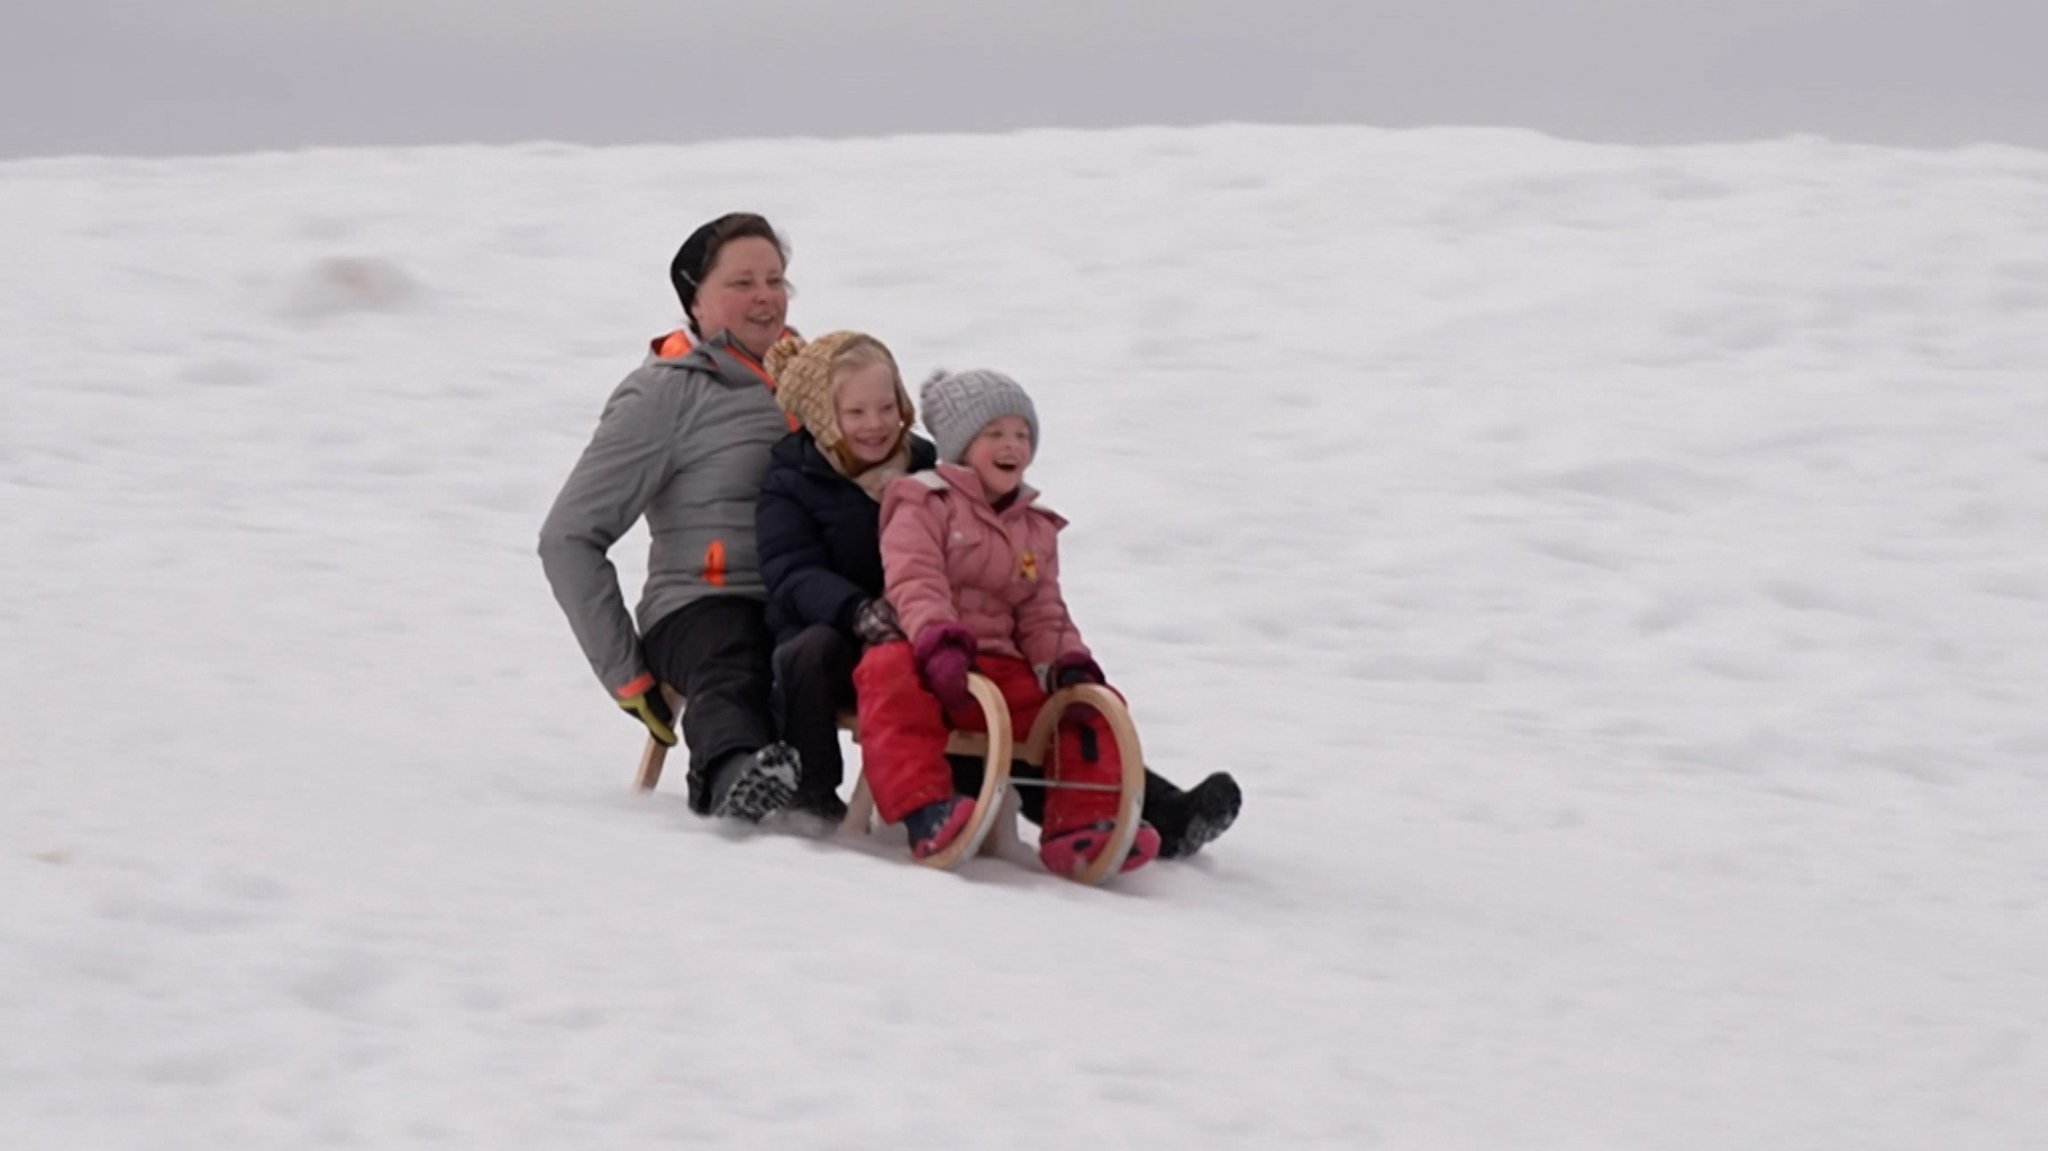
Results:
948 555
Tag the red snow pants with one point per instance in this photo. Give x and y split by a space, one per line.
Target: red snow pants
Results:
903 733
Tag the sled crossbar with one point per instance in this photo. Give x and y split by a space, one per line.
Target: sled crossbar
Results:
1051 784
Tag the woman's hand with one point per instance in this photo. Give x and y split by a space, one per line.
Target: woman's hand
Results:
642 699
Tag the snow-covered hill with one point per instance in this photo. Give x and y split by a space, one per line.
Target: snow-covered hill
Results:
1617 576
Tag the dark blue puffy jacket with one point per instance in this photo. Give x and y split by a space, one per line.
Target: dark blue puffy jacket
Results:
820 536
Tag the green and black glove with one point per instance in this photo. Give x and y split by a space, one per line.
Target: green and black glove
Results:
642 699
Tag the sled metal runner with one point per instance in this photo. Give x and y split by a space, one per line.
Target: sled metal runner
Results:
993 828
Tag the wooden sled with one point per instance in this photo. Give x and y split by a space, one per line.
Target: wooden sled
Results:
993 827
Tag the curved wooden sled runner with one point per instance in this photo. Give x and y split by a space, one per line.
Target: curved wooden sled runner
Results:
995 809
995 751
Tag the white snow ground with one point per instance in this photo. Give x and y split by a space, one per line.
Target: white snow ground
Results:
1619 577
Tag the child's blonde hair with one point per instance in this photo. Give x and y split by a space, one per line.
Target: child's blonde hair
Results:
807 378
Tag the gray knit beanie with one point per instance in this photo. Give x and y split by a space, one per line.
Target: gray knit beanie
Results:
957 405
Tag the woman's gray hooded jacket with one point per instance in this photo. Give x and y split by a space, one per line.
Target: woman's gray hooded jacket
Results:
683 441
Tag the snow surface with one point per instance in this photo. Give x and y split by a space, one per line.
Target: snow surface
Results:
1616 574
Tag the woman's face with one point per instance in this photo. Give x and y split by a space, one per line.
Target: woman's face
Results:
999 453
870 419
744 293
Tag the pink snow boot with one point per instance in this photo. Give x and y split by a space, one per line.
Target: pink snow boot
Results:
935 826
1070 851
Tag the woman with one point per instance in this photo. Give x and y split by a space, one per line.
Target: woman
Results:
684 441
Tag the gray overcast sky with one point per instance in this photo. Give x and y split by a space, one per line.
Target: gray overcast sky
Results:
182 76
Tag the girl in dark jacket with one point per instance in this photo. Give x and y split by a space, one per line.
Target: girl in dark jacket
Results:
819 529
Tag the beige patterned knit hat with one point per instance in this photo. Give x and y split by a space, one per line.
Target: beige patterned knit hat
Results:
803 381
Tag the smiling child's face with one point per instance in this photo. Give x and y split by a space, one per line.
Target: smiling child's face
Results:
870 419
998 454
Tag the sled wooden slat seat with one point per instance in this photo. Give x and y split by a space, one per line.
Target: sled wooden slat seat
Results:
655 755
994 826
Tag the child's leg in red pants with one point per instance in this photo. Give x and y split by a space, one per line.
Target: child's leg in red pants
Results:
1084 748
903 733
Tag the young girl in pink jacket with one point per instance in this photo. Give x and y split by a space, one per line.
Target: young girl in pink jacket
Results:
971 563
